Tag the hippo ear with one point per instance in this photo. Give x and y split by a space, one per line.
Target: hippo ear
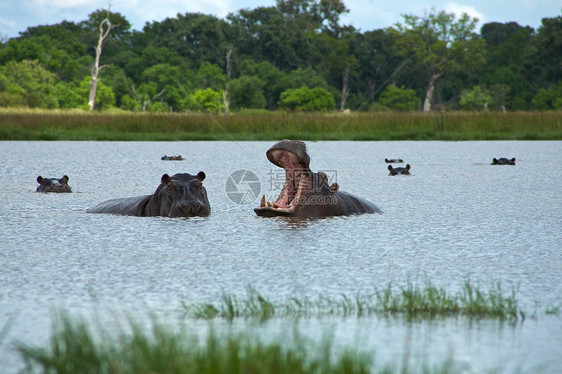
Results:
201 176
407 166
64 179
334 187
166 178
390 167
40 179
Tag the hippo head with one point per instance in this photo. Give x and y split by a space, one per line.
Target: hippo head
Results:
503 161
181 195
304 193
399 170
53 184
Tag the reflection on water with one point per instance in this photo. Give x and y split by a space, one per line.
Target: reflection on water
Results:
455 218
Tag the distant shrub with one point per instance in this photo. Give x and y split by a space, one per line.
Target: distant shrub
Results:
307 99
548 98
206 100
399 98
476 99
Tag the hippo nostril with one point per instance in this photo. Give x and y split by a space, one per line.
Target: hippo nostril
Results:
183 207
196 207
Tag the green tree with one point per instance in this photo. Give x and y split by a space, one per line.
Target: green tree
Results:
27 82
548 98
314 15
505 51
105 98
476 99
210 76
440 44
399 98
307 99
67 96
274 80
265 33
543 60
247 92
206 100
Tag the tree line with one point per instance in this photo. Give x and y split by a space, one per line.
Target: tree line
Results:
295 55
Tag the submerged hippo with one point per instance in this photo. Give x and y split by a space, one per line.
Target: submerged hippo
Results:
181 195
393 161
305 193
397 171
503 161
53 184
172 158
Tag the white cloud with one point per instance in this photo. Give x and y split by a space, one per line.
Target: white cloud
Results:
63 4
459 9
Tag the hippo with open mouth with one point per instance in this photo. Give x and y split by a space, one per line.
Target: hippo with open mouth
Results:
53 184
181 195
305 193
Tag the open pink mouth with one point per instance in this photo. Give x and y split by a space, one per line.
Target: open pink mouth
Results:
297 180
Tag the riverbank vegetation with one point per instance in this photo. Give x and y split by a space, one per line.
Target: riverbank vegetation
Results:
410 301
80 345
266 125
77 347
294 55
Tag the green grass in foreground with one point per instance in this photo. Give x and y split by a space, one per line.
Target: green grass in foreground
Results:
411 301
76 348
20 124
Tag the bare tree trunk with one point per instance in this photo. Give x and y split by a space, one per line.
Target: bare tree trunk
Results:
344 89
144 103
226 97
371 84
97 68
429 93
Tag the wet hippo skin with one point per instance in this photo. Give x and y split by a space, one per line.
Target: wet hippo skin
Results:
306 193
181 195
53 184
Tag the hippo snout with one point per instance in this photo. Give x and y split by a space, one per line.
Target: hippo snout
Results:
187 209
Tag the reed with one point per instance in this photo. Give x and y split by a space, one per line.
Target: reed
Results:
77 347
411 301
81 125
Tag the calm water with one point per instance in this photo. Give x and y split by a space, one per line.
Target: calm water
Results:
455 218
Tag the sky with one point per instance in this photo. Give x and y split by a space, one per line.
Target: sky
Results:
17 15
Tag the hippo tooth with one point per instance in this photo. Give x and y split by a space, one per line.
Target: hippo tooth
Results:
262 202
300 188
275 205
268 203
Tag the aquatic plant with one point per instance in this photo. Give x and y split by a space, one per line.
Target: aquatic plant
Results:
412 301
75 347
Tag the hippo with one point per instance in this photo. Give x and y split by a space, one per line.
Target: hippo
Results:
306 193
503 161
393 161
53 184
181 195
172 158
397 171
